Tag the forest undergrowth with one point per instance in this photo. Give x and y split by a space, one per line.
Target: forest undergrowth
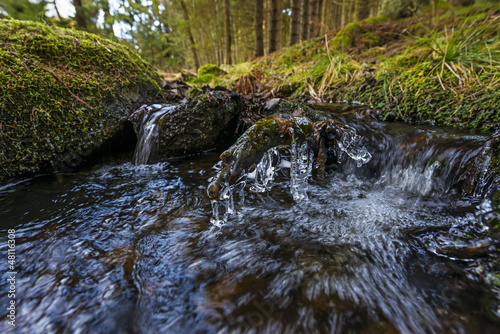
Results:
440 68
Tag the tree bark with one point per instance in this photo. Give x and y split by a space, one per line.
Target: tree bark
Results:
259 32
190 34
80 17
227 30
295 22
305 19
319 18
313 15
273 29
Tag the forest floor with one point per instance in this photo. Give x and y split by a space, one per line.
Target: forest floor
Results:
441 67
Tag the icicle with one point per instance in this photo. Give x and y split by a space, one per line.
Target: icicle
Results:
350 144
225 207
300 170
265 171
219 218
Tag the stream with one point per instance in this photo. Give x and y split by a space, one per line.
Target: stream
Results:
376 247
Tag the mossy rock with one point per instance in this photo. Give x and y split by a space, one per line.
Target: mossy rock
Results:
208 75
63 95
210 69
345 37
376 19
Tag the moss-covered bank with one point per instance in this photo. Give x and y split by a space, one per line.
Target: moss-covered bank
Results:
439 68
63 95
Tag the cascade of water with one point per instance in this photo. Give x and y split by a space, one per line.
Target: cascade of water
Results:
416 179
485 177
147 143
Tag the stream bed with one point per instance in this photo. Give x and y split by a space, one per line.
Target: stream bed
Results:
124 248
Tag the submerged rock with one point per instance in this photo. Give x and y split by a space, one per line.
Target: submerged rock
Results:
64 94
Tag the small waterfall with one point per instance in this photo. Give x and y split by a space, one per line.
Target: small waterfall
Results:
147 132
431 162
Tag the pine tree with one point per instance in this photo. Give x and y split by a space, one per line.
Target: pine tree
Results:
295 22
274 26
305 20
259 32
227 30
190 35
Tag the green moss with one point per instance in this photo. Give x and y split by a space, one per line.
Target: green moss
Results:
345 37
59 92
210 69
208 74
376 19
371 38
383 64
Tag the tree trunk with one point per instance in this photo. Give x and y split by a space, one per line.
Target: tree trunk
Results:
319 18
273 29
313 21
259 32
305 19
343 14
325 15
227 30
190 34
295 23
80 17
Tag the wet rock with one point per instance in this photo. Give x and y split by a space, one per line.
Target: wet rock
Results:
465 251
174 91
208 119
206 122
273 131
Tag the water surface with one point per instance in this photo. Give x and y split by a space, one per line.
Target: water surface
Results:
131 249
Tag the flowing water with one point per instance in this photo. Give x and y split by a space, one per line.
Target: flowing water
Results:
372 247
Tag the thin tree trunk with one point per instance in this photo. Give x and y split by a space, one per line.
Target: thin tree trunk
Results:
190 35
313 21
80 17
236 42
325 14
319 18
227 30
108 18
259 32
274 26
57 10
305 19
295 22
343 15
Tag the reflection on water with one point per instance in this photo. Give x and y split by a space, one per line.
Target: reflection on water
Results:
130 249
